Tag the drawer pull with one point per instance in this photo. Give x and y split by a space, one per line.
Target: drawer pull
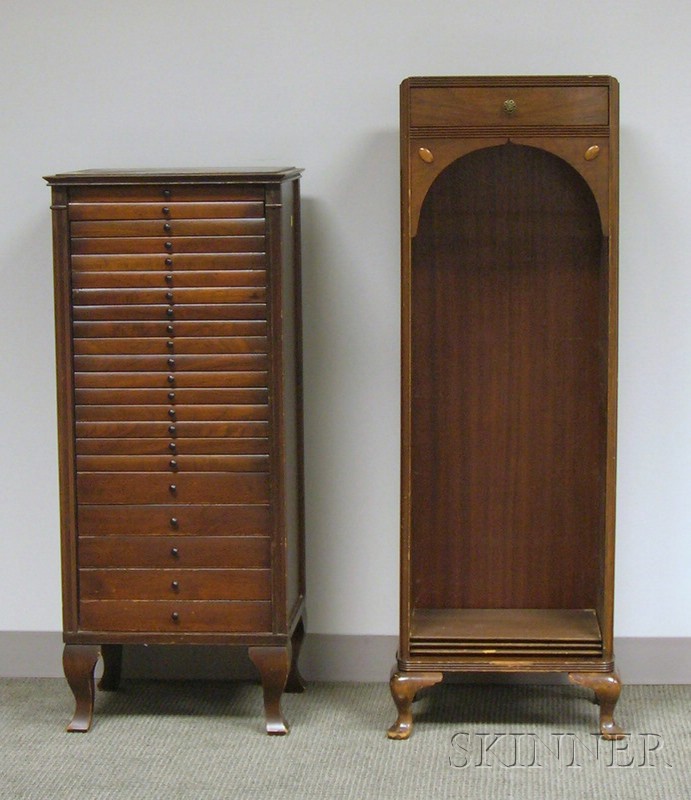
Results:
168 262
510 106
171 412
171 396
165 210
175 586
169 279
174 523
168 245
172 430
169 296
171 379
170 330
171 363
173 488
170 344
173 465
170 312
167 227
175 552
175 616
167 193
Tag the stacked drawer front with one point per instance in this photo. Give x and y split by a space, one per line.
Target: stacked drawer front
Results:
169 288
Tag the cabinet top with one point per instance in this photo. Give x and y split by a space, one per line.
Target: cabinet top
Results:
511 80
225 176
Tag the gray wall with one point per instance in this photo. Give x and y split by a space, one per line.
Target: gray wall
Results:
169 83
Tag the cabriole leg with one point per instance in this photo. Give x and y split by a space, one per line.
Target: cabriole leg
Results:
79 663
273 664
404 686
607 687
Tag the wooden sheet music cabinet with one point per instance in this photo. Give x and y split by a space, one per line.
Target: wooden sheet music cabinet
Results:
179 391
509 320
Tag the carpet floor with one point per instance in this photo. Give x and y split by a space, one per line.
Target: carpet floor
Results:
204 741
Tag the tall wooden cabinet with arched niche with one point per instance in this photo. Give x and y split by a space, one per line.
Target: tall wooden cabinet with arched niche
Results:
509 348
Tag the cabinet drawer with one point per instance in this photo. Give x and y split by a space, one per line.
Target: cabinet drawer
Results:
186 430
216 209
179 380
141 616
153 488
159 261
484 106
173 462
164 193
167 364
133 279
181 345
164 226
103 329
177 244
191 413
175 584
180 520
166 295
162 446
175 551
154 313
163 395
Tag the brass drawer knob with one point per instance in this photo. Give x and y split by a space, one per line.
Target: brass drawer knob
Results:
510 106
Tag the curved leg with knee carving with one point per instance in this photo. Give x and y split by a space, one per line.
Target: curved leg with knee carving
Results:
273 664
607 687
79 663
295 682
404 686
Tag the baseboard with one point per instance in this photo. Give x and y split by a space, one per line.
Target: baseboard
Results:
325 657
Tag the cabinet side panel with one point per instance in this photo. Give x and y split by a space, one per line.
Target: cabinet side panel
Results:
286 481
65 404
292 384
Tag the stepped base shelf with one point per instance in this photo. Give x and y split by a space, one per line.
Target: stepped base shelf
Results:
516 633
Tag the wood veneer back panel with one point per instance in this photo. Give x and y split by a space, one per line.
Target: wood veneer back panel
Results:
508 388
